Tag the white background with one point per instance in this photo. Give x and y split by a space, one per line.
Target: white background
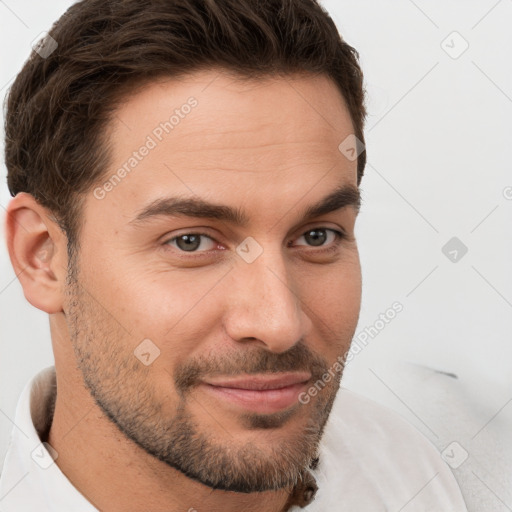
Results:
439 150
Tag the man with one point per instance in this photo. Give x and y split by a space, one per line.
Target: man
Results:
186 189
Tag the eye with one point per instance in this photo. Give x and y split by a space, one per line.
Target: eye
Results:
201 242
317 237
191 242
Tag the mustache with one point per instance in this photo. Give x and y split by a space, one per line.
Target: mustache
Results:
297 358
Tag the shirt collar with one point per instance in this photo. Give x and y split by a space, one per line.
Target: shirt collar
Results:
30 478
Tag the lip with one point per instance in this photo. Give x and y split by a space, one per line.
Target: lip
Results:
263 394
260 382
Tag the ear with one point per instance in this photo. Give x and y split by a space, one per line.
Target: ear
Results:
38 252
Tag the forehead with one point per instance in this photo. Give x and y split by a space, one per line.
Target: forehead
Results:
212 134
223 92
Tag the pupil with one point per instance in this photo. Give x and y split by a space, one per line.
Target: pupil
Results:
192 242
318 237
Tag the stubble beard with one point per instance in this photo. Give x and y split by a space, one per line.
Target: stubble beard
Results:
123 389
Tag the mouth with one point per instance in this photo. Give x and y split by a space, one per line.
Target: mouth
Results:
262 394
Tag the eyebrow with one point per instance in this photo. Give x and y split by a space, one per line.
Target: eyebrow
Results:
341 197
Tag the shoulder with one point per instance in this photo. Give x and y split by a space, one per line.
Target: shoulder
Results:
372 459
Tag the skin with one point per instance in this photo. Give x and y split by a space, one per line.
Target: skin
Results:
269 147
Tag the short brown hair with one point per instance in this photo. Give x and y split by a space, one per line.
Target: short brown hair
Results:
59 107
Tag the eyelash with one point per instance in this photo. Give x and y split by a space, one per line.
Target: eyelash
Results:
340 236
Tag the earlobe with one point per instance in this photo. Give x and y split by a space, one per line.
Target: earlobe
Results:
35 244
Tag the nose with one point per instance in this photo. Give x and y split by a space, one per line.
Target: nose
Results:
265 303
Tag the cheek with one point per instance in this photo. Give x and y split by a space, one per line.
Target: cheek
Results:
145 298
177 310
334 289
170 301
332 300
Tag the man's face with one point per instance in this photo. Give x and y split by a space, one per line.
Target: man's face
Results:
216 299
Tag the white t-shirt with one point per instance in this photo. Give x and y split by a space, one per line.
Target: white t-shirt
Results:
371 460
